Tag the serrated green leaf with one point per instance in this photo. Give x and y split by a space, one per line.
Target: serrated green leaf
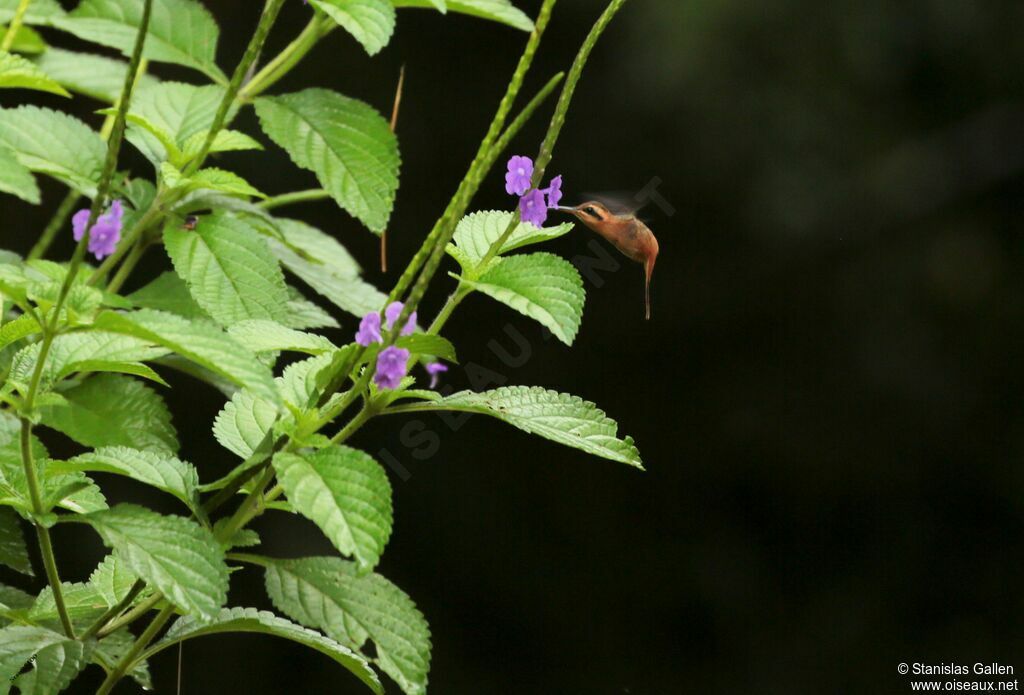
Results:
39 11
264 622
182 32
327 267
371 22
81 601
331 594
562 418
95 76
344 492
269 336
200 342
174 555
16 179
21 327
16 71
225 141
181 111
58 658
168 293
112 580
83 351
13 551
160 470
476 232
27 41
54 668
209 179
229 269
543 286
55 144
304 314
497 10
243 422
346 143
143 421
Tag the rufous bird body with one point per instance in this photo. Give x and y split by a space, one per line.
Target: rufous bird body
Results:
625 232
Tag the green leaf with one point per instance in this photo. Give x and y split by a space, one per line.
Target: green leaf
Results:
55 144
16 179
562 418
19 328
39 11
243 422
82 602
330 594
180 111
95 76
209 179
143 421
13 551
112 580
225 141
497 10
182 32
27 40
268 336
168 293
200 342
229 269
176 556
16 71
543 286
344 492
371 22
83 351
346 143
429 345
160 470
476 232
325 265
264 622
58 659
304 314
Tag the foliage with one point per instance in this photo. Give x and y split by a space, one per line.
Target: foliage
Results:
80 357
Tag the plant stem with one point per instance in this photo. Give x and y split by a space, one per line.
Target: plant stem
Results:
57 222
278 201
150 217
141 643
361 418
15 26
524 116
288 58
138 249
131 616
45 543
454 299
252 52
136 589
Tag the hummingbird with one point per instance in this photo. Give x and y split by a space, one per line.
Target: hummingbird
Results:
626 232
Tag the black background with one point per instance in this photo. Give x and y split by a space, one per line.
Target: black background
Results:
826 399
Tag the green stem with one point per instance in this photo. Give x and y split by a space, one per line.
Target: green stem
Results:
57 223
123 604
287 59
43 533
252 53
278 201
524 116
454 299
141 643
362 417
131 616
15 25
246 511
138 249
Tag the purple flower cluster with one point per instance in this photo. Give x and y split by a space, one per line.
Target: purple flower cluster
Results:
533 204
105 234
392 362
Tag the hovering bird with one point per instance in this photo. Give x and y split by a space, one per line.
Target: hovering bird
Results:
626 232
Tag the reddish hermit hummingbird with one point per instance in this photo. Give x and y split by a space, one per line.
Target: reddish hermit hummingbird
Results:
626 232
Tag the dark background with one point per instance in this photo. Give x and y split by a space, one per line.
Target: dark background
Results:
826 399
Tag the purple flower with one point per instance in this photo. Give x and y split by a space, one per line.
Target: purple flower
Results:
393 312
369 330
520 173
435 370
391 366
105 234
534 208
554 192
